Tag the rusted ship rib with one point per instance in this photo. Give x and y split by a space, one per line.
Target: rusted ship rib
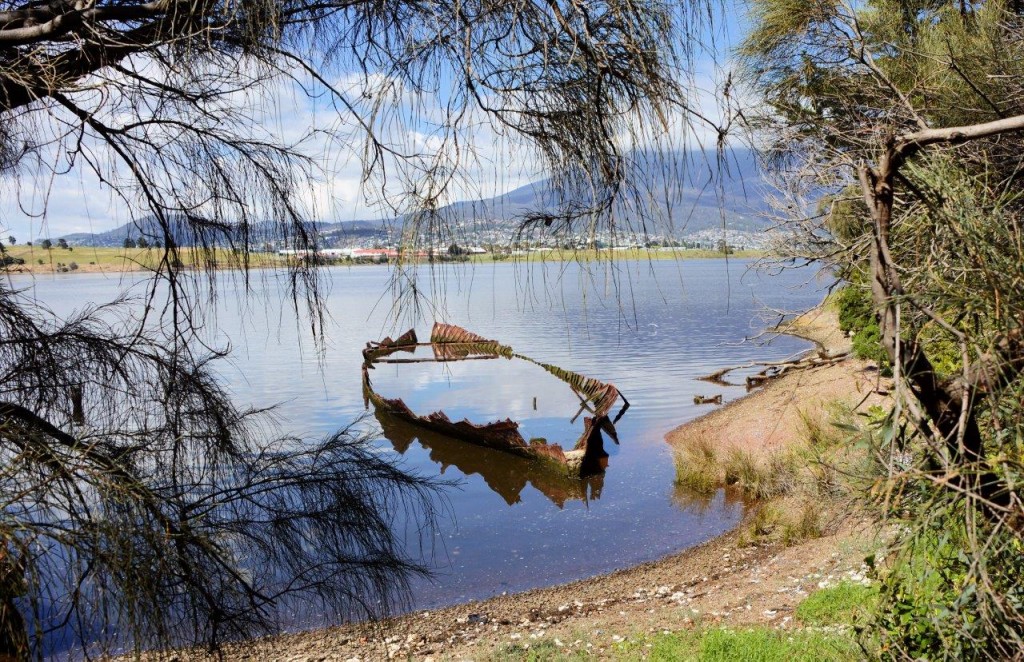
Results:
453 343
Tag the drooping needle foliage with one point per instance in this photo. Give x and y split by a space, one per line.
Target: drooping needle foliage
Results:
141 506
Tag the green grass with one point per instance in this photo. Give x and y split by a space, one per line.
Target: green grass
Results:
845 603
541 651
754 644
757 644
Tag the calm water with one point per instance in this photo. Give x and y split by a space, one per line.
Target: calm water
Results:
649 328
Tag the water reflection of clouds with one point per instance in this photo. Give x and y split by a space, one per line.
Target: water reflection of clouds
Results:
481 390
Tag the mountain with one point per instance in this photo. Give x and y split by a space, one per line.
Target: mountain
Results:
677 195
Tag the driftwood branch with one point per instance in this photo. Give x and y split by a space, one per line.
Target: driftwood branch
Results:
773 369
908 144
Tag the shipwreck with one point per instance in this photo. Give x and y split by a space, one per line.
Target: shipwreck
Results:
448 342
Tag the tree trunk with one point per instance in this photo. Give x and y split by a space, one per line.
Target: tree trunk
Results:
13 633
962 450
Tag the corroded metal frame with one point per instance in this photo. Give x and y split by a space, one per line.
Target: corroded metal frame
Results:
453 343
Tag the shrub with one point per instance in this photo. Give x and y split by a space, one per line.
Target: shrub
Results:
857 316
854 306
867 344
938 602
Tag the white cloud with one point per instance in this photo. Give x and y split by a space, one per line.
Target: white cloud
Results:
483 160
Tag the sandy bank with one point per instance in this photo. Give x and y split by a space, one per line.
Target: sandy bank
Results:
714 583
772 417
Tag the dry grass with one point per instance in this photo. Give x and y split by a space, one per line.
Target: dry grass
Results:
90 259
796 485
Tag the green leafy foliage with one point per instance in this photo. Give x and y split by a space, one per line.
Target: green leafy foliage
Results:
867 345
857 316
854 305
841 81
933 602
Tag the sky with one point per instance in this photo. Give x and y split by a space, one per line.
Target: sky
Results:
56 196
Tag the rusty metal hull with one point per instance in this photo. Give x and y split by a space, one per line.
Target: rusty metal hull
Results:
453 343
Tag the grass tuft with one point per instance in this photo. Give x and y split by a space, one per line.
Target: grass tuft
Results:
794 485
540 651
789 521
750 644
845 603
697 467
702 469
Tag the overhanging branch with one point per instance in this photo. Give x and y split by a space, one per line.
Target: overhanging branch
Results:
909 144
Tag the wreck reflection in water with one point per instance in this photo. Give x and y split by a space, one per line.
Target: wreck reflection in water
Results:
507 475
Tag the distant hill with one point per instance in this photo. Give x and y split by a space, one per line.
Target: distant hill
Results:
679 195
184 236
689 194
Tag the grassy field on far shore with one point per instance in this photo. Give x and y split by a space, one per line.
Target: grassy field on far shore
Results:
92 259
88 259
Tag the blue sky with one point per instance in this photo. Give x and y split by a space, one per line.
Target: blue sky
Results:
38 203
